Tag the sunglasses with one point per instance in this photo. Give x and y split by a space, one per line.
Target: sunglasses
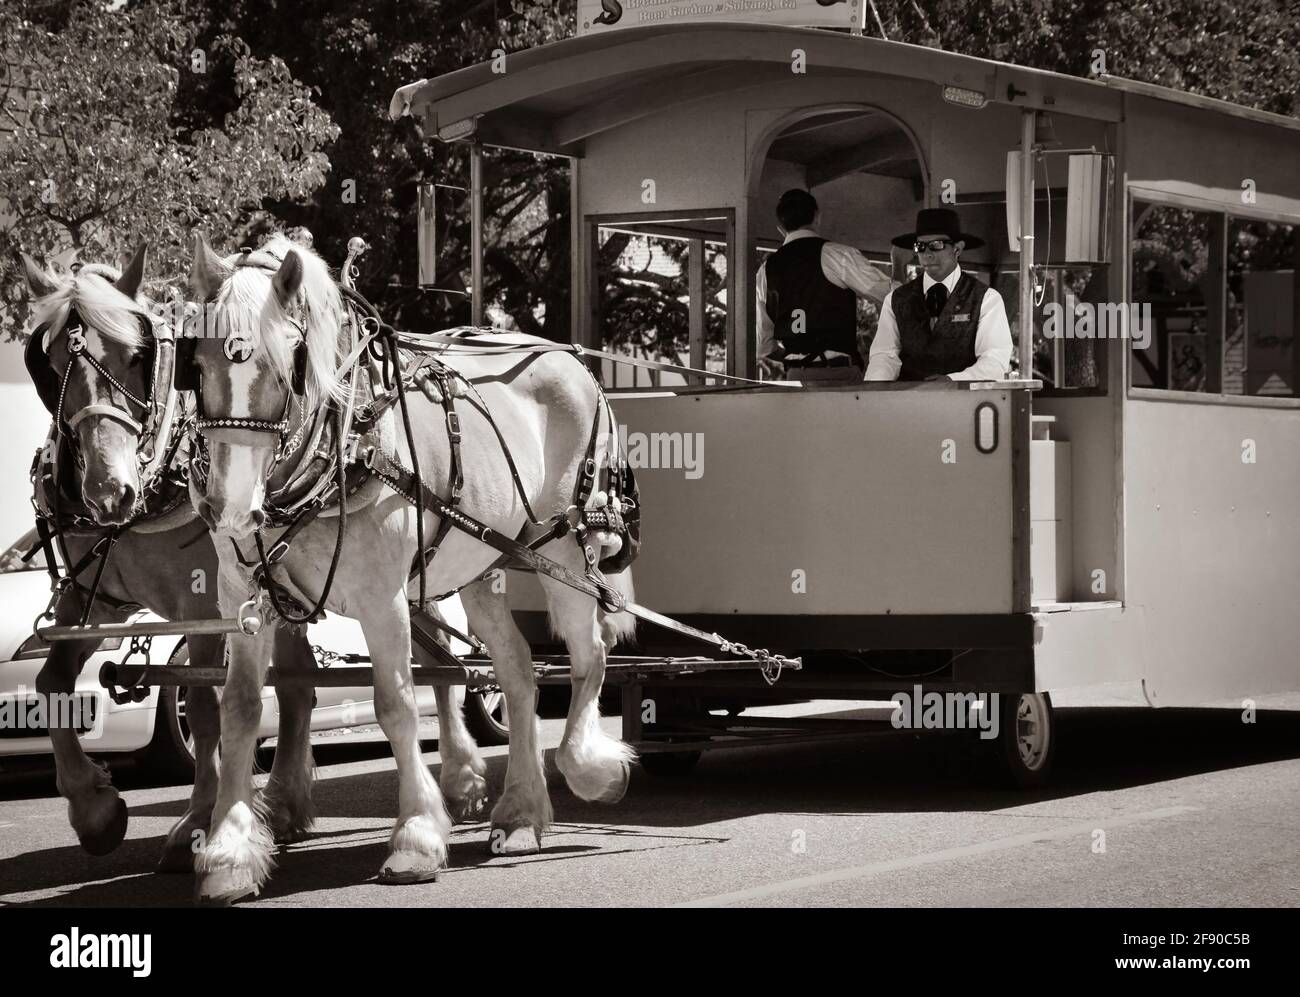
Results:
933 246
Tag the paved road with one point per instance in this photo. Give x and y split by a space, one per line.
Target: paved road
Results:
1196 809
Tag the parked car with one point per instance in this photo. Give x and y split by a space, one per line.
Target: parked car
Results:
154 731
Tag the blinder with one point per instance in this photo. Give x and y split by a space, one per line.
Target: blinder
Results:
186 375
300 368
48 383
42 373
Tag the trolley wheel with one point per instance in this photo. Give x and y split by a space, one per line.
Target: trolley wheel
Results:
170 752
1022 754
486 715
670 764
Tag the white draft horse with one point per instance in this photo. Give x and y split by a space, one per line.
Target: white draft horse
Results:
278 308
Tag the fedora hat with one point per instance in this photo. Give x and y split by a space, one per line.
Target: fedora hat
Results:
938 221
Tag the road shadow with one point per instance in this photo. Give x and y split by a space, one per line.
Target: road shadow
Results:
870 779
33 778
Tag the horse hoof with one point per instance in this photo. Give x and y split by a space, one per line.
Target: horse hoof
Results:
225 886
468 810
521 840
410 877
104 839
174 859
409 868
616 792
290 836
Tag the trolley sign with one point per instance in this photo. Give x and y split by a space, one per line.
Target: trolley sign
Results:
604 15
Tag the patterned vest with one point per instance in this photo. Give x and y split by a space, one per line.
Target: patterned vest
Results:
795 280
947 347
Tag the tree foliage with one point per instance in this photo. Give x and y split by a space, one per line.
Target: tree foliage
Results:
122 127
288 125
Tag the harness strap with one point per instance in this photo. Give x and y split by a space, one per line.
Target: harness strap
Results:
405 483
43 537
269 583
109 412
367 418
592 583
455 474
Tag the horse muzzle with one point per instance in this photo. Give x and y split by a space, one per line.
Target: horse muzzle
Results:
223 520
111 502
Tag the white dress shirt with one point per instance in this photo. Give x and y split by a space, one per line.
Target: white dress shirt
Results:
992 338
843 266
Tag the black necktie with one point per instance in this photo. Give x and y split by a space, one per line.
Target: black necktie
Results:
935 299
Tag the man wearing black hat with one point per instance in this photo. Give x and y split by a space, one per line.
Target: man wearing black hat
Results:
945 322
806 299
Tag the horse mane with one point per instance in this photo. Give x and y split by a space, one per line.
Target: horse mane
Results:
91 291
246 305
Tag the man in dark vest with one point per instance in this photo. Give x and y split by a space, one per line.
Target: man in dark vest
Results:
806 297
945 323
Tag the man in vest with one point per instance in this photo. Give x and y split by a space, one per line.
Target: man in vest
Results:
806 296
945 323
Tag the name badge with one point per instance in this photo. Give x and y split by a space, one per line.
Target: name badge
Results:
961 318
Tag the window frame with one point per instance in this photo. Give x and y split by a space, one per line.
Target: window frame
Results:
1222 214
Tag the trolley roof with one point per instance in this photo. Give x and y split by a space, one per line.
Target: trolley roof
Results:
555 96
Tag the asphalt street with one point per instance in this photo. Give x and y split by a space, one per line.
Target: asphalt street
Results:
1152 808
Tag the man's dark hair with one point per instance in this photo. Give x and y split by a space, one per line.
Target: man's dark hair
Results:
796 209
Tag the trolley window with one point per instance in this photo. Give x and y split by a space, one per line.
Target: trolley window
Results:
1213 302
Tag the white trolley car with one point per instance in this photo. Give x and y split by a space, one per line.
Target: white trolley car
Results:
1115 527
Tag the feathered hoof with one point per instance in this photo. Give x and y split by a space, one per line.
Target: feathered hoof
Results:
176 857
408 868
108 830
617 789
604 783
523 840
469 809
286 836
225 886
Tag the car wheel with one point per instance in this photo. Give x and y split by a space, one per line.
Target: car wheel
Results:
171 751
486 715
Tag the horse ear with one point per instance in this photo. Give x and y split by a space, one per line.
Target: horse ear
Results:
207 270
288 279
39 283
133 276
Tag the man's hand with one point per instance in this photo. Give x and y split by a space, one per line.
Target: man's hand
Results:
771 370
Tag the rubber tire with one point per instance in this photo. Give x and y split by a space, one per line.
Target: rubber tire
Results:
167 754
1005 765
670 764
487 730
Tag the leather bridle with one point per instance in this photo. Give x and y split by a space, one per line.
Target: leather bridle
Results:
188 377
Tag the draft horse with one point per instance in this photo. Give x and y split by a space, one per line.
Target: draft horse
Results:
281 362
